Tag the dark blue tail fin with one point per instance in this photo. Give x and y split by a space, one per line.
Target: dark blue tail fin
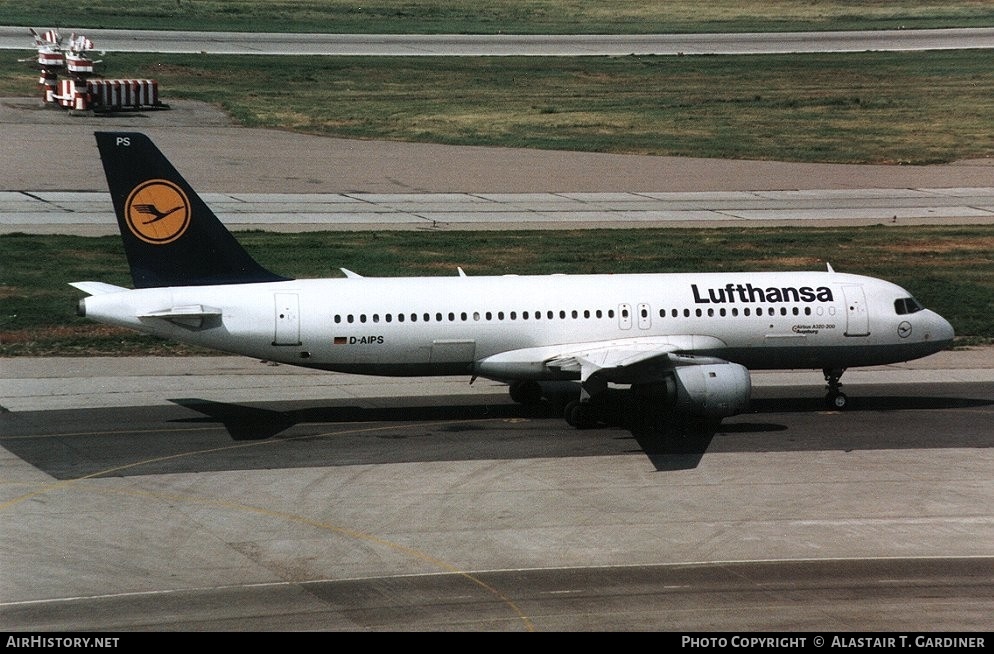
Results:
170 236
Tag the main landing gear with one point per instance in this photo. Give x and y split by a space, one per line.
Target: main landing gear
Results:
835 398
580 414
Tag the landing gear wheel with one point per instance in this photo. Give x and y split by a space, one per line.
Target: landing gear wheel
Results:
579 414
837 400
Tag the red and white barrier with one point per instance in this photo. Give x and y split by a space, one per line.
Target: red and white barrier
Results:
51 58
78 65
79 92
48 83
108 94
73 95
113 93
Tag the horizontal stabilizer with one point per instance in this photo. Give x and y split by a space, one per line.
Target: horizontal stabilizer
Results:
97 288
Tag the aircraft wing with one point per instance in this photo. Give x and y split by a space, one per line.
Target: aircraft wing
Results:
622 361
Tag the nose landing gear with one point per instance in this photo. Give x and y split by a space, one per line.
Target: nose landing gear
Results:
835 399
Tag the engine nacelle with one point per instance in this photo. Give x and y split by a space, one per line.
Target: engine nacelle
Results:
716 390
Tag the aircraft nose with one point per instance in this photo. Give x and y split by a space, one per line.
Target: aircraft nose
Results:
940 331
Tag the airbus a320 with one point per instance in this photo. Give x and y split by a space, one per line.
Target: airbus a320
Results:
682 343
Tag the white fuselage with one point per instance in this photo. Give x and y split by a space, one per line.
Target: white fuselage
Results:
459 325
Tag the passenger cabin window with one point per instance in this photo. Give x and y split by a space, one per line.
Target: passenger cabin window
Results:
906 305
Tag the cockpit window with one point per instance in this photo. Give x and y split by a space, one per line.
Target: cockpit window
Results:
907 305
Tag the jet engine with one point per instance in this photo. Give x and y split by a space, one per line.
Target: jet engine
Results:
716 390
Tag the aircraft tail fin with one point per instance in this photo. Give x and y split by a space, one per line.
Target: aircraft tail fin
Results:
171 237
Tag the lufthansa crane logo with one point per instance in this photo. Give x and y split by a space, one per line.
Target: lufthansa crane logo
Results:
157 211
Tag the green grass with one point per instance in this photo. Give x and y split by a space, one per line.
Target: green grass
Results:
947 268
497 16
916 108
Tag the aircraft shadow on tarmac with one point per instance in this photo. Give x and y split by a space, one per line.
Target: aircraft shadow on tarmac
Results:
197 435
668 448
466 430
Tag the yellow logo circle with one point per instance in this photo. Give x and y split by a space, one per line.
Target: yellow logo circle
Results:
157 212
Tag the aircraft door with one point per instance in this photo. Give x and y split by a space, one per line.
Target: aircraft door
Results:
625 316
287 318
857 316
644 316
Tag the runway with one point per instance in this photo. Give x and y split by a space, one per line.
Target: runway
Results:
474 45
221 493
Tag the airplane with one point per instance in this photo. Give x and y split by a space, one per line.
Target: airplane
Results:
683 344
